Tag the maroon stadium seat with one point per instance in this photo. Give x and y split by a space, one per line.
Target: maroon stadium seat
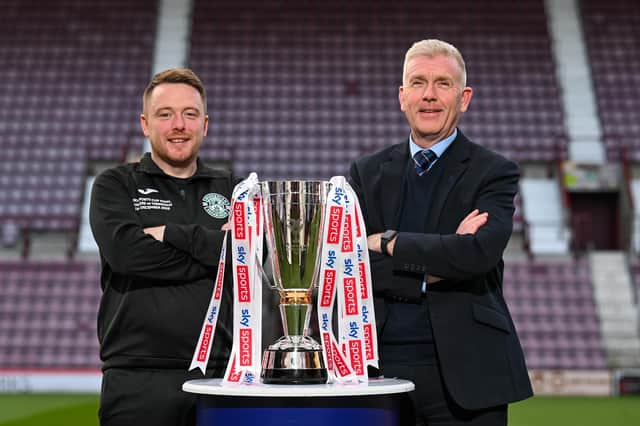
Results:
554 312
73 72
47 314
326 81
612 39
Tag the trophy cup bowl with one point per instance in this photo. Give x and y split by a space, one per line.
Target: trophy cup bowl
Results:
293 218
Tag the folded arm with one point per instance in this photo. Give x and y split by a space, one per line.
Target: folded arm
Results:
469 225
462 255
126 246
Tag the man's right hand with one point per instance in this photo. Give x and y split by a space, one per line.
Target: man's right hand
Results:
472 222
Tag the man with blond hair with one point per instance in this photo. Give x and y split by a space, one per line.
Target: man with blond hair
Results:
159 226
438 209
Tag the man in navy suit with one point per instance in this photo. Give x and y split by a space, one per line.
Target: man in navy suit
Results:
438 209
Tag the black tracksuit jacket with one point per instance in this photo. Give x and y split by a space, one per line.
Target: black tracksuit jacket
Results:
155 294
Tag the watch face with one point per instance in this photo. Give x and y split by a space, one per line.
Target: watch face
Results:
388 235
385 238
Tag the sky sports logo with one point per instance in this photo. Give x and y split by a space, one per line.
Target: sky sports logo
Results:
335 220
326 339
234 374
206 341
355 356
244 293
368 341
218 289
256 209
363 280
246 347
350 296
238 221
347 241
339 362
328 287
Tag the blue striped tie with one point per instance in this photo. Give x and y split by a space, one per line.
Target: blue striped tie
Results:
423 160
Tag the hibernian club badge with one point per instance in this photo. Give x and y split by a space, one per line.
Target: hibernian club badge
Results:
216 205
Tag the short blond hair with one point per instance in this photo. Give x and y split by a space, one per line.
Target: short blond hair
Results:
175 75
433 47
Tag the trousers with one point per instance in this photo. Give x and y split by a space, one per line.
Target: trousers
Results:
147 397
432 404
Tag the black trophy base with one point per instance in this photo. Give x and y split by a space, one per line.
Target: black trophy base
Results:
285 364
293 376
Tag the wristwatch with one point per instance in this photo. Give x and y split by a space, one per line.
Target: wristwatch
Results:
385 238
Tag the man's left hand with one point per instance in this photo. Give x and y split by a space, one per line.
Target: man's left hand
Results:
156 232
373 243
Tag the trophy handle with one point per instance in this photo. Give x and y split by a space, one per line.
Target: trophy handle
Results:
270 282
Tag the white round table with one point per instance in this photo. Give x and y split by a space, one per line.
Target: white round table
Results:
380 402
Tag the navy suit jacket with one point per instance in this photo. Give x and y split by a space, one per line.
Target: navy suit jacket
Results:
479 353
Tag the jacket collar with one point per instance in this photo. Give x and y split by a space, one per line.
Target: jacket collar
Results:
455 162
392 173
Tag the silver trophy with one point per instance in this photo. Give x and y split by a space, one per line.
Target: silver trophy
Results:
293 218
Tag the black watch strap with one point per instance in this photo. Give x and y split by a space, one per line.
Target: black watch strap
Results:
385 238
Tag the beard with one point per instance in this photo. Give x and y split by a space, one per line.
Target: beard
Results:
178 159
178 163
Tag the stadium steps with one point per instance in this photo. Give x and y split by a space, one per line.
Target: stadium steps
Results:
574 76
547 231
635 193
614 301
173 31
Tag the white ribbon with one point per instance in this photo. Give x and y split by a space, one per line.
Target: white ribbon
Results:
344 270
364 272
205 341
246 245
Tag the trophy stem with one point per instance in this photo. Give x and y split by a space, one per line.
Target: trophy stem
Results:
295 358
295 312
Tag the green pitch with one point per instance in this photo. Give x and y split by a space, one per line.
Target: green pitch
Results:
50 410
71 410
570 411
